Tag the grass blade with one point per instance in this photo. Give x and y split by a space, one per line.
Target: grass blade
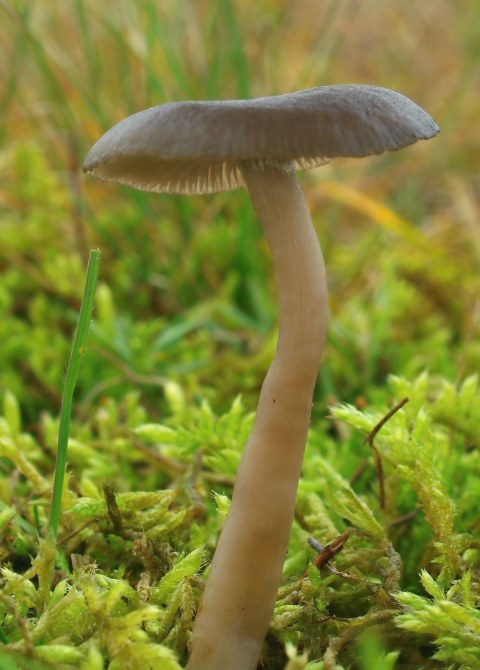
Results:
78 347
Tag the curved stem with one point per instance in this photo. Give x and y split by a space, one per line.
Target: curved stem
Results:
240 594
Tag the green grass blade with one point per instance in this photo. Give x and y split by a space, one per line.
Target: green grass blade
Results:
79 342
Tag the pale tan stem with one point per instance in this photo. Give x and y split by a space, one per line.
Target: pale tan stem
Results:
239 598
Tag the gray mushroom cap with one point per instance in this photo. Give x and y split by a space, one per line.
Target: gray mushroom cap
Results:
200 147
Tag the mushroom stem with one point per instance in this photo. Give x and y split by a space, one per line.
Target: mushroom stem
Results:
239 598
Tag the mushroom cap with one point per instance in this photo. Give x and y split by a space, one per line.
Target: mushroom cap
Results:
200 147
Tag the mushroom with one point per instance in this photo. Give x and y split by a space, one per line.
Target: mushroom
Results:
203 147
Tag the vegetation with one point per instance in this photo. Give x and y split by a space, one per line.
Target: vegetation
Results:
184 330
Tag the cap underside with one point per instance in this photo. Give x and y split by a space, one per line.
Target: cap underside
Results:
148 173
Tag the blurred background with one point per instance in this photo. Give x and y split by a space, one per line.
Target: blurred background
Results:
186 292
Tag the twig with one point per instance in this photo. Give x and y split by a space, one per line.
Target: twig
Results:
174 467
65 539
404 518
112 507
370 441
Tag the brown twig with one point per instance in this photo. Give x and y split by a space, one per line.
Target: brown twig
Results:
131 375
171 466
370 441
403 519
112 507
68 537
326 553
174 467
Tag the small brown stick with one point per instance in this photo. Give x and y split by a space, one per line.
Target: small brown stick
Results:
358 472
112 508
403 519
68 537
370 441
174 467
169 465
327 552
